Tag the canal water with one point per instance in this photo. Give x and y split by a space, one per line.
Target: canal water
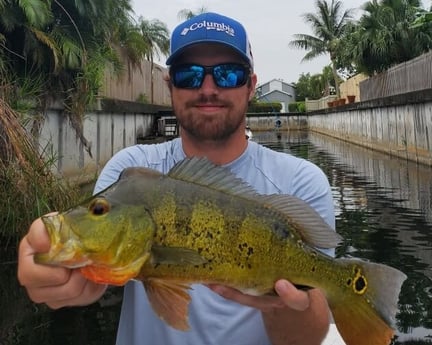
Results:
383 211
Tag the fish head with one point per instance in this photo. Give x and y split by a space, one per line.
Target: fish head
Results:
107 239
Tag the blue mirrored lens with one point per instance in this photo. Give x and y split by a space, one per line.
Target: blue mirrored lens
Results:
229 75
190 77
224 75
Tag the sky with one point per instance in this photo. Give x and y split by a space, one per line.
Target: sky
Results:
270 24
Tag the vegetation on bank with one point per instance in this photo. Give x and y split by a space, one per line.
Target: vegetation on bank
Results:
52 51
28 188
60 51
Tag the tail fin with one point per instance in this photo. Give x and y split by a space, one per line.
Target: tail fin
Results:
365 315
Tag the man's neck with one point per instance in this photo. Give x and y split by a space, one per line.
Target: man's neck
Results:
219 152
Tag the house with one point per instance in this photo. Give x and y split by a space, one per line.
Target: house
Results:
276 90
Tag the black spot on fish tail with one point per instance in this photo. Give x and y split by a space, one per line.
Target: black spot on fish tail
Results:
360 284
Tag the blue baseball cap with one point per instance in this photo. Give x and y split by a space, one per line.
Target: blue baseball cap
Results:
210 28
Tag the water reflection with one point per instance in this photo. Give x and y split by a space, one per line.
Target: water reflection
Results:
383 208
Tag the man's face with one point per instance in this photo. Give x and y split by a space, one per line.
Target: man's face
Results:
211 112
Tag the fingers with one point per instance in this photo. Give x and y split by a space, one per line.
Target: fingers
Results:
288 296
37 238
75 291
55 286
291 296
78 291
263 303
30 274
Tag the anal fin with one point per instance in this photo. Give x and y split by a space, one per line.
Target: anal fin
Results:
359 325
170 301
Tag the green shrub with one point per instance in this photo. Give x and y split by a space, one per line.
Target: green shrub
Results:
292 107
28 188
265 107
301 107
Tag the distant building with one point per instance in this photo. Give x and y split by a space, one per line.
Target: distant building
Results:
276 90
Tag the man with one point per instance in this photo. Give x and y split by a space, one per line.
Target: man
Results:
211 81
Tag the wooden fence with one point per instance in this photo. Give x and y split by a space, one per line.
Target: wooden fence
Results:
137 85
413 75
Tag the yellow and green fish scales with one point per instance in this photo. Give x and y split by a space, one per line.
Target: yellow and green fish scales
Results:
201 224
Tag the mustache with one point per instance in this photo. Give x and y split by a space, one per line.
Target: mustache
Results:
213 99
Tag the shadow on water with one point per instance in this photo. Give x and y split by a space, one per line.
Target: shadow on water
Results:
383 210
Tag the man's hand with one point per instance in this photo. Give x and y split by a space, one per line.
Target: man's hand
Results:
293 317
56 286
288 296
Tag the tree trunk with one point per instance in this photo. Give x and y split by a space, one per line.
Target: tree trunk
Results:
336 78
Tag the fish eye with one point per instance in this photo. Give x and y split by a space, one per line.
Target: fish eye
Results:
99 207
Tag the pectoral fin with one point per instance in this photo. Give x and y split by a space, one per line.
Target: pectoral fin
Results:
176 256
170 301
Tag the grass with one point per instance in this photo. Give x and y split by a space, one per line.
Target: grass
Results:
28 187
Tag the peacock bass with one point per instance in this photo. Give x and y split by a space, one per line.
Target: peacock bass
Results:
201 224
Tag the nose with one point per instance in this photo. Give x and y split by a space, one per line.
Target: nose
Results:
208 86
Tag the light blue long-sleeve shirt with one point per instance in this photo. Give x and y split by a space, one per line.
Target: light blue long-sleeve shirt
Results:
213 319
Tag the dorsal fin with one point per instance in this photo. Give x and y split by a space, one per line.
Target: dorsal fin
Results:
308 223
205 173
310 226
137 171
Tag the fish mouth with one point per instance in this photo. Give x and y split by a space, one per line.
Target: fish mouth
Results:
65 247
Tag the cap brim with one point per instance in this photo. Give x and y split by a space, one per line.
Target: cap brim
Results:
180 51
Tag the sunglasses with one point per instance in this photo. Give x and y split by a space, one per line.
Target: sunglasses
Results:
225 75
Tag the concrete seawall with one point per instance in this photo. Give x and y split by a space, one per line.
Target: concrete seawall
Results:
399 125
117 125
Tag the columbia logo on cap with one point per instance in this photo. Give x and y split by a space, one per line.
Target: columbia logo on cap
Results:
209 26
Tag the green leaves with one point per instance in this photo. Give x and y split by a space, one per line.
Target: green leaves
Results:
37 12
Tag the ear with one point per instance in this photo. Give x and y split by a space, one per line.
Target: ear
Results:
253 82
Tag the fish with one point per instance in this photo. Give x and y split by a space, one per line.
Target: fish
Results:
200 224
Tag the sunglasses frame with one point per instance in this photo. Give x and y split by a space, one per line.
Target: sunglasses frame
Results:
246 69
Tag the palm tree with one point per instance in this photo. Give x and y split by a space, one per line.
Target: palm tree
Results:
188 14
329 26
156 38
385 36
65 46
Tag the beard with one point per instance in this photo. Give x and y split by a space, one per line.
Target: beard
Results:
216 127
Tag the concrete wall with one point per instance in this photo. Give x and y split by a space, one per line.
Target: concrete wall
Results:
281 121
117 125
400 126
